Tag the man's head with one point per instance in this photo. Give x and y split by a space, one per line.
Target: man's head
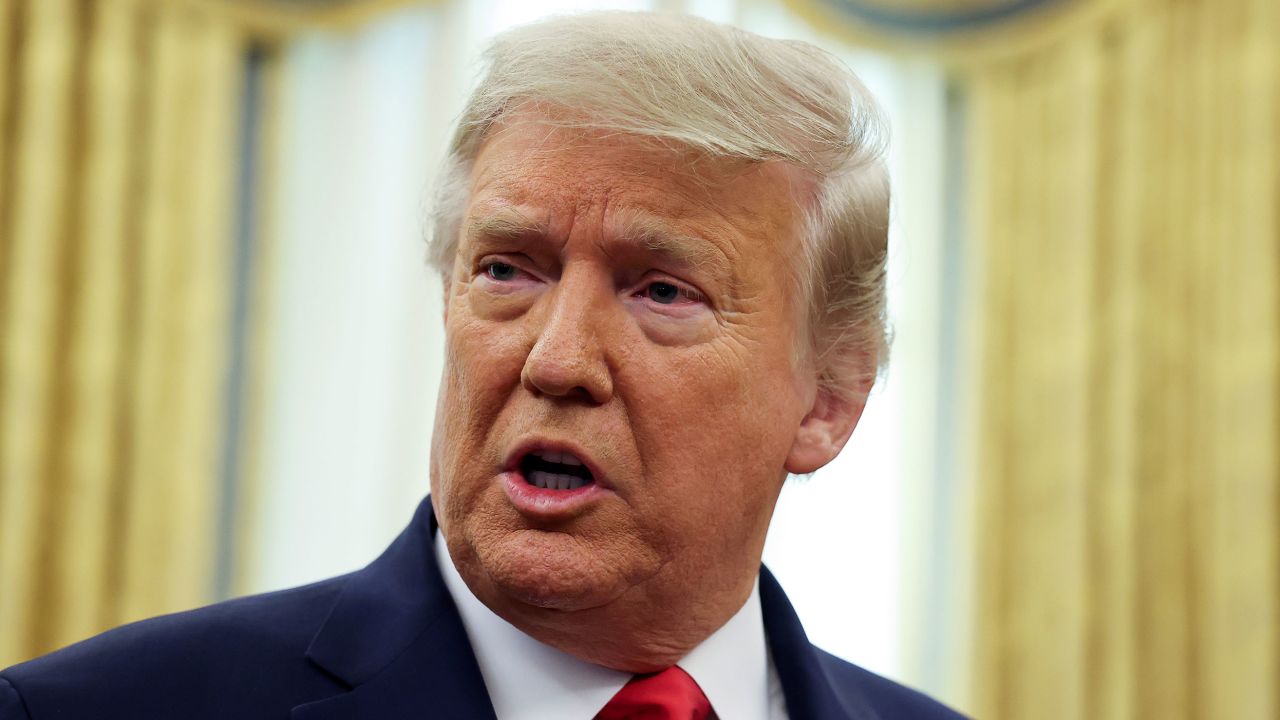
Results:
663 247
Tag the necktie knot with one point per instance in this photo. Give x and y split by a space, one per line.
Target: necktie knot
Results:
667 695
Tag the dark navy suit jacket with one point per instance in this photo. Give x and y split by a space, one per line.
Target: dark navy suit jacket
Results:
384 642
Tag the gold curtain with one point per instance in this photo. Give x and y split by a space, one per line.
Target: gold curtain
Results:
283 18
1123 186
118 124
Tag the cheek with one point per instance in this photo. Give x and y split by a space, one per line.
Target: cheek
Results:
479 373
716 430
483 357
482 368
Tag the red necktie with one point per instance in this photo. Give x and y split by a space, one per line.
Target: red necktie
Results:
667 695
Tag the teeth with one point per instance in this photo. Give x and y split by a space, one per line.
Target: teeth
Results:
559 457
555 481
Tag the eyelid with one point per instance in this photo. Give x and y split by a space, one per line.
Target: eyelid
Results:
520 263
687 291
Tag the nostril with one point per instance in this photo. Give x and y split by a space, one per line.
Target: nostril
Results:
575 380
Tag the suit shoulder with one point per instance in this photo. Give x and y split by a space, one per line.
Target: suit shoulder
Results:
889 699
194 654
11 707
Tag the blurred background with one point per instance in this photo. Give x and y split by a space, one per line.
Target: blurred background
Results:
221 343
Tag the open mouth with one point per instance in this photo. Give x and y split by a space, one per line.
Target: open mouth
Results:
555 470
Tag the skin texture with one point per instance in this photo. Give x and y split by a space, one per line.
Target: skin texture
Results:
693 411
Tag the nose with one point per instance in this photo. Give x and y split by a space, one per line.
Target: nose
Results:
568 359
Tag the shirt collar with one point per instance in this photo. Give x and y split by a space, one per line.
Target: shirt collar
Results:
528 680
732 666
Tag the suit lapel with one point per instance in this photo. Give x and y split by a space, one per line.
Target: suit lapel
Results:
808 688
395 638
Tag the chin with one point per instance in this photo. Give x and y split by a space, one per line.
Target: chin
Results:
557 571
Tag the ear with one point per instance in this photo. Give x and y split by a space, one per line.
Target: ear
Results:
825 430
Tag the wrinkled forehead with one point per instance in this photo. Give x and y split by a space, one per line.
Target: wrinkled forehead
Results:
557 162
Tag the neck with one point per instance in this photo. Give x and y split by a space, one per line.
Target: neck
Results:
644 630
617 636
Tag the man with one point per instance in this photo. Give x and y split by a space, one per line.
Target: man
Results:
663 245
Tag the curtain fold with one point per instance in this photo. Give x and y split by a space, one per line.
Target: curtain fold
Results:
1123 189
118 123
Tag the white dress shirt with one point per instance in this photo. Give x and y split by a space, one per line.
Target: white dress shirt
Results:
528 680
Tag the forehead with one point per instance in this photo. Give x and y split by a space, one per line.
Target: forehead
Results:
560 176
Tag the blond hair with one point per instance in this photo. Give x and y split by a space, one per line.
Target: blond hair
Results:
729 93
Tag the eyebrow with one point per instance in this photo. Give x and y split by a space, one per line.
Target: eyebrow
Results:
504 225
648 232
689 250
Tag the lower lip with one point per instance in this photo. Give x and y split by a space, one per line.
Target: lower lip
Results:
535 502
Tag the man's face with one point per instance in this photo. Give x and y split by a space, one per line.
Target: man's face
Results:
624 333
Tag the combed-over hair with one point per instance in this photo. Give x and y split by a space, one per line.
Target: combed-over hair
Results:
728 93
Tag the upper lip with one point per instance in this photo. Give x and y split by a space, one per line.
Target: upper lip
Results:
532 445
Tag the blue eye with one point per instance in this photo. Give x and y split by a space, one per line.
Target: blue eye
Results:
664 293
501 271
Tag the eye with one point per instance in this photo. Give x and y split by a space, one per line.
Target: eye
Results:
501 271
661 292
672 294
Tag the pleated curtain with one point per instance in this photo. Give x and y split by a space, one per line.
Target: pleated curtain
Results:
118 154
1122 189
